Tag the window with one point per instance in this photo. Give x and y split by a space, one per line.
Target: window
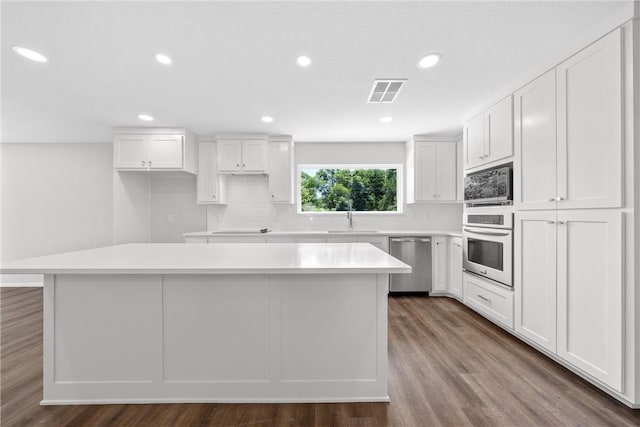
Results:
329 188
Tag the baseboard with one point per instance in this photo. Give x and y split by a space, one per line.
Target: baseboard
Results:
21 280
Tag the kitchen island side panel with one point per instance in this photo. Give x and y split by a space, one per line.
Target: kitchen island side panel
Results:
113 338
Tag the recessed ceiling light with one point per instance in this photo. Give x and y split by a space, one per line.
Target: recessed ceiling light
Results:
30 54
303 61
145 117
164 59
429 60
267 119
386 119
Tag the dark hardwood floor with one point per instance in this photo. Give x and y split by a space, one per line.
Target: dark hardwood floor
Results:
448 366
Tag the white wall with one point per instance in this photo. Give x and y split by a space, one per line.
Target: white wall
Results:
249 205
173 208
54 198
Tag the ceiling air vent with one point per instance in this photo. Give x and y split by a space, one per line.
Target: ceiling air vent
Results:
385 90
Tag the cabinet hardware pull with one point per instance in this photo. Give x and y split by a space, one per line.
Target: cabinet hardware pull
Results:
559 199
551 222
237 165
213 196
483 298
560 222
143 162
273 196
552 199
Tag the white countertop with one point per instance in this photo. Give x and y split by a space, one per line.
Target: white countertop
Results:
391 233
235 258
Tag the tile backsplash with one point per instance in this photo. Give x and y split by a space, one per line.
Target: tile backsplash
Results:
249 207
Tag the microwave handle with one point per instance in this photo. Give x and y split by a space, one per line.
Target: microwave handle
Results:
485 231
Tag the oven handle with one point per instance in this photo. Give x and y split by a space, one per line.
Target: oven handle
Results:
485 231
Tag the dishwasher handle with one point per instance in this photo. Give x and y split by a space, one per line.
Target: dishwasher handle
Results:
410 239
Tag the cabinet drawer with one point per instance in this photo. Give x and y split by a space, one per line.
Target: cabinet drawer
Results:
492 301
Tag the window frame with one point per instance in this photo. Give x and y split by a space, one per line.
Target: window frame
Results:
399 186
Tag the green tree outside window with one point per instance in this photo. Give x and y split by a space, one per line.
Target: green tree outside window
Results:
327 190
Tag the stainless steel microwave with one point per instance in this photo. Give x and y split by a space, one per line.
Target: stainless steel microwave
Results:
489 187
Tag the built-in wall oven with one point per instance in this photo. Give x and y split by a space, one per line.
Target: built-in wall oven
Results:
488 244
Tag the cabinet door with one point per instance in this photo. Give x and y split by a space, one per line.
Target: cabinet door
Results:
209 186
474 142
280 172
455 267
590 297
446 171
165 151
254 156
535 150
590 126
439 248
425 170
130 152
498 143
229 155
535 277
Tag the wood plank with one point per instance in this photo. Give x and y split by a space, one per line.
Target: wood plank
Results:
448 366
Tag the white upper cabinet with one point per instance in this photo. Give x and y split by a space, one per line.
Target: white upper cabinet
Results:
281 172
229 155
210 185
254 156
498 130
130 152
235 155
488 137
165 151
535 144
431 171
150 149
590 126
568 133
474 142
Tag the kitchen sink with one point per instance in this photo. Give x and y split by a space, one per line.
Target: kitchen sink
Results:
353 231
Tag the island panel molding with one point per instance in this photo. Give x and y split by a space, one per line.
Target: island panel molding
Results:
215 338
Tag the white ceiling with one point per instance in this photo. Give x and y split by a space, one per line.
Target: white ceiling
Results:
235 62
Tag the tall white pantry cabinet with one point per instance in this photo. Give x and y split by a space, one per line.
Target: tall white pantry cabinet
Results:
574 164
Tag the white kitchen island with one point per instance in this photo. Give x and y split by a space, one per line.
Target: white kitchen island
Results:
152 323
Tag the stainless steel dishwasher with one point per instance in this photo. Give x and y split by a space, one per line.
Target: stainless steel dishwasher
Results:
415 251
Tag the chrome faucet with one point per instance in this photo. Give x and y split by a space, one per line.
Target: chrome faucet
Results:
350 214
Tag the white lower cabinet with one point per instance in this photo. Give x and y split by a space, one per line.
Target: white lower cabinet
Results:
489 299
455 266
568 287
237 239
535 277
590 297
439 259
